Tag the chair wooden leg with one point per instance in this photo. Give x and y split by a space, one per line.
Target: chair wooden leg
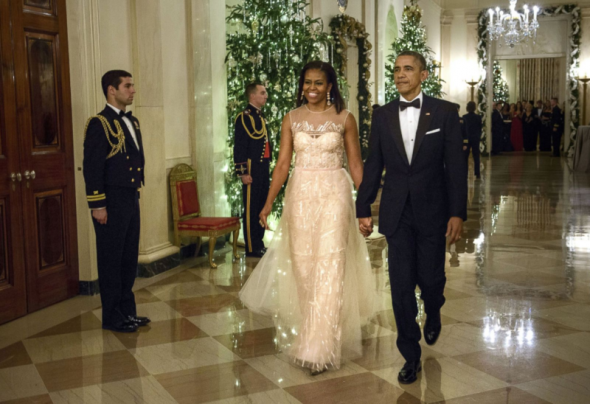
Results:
212 241
235 243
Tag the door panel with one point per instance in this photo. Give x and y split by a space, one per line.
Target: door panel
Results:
13 301
46 153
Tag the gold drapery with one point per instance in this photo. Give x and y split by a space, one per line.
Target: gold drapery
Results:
539 79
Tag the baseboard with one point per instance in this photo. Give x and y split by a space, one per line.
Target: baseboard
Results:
89 288
159 266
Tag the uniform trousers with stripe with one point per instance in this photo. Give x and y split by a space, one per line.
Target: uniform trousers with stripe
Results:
253 198
117 247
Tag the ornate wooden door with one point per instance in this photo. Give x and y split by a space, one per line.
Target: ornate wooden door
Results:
41 76
13 301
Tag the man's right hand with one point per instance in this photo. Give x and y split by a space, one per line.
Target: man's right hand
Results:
100 215
246 179
366 226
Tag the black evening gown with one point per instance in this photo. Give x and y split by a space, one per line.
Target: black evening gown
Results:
530 130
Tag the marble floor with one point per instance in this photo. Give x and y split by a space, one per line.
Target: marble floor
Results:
516 325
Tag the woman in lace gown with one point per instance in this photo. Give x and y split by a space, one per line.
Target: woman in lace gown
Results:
316 278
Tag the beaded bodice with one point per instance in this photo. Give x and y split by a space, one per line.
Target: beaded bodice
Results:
318 138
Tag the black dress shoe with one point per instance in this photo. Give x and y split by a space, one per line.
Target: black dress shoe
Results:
121 327
139 321
432 329
409 372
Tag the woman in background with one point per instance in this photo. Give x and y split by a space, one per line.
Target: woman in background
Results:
516 128
545 128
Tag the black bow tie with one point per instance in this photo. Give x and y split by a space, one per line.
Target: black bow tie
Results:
127 114
403 105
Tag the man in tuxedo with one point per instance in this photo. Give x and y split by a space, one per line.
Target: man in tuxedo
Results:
473 126
113 172
497 129
557 126
539 109
417 139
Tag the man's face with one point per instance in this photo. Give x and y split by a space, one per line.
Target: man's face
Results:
258 98
125 92
408 76
499 106
553 103
539 105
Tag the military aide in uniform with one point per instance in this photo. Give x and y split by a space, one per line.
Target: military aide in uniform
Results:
113 171
252 156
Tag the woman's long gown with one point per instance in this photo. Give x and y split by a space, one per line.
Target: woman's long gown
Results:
316 278
516 133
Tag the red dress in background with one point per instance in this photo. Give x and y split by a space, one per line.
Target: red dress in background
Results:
516 133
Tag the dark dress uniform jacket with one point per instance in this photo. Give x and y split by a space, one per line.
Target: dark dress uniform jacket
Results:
108 161
249 148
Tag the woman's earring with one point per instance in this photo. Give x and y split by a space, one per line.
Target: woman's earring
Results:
301 95
329 102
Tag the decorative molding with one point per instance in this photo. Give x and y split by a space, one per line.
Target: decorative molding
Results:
344 28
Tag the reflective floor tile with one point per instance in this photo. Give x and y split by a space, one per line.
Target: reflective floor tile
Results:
90 370
166 358
361 388
206 304
249 344
20 382
443 379
518 364
14 355
161 332
213 383
145 390
64 346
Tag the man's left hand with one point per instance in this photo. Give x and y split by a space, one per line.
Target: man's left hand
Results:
454 229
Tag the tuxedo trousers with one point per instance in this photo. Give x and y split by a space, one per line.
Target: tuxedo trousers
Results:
117 250
416 258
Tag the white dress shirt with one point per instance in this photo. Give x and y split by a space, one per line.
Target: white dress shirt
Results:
129 125
408 122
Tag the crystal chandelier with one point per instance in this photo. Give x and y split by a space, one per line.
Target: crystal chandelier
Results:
513 26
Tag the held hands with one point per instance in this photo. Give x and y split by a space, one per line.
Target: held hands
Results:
246 179
100 215
366 226
263 216
454 229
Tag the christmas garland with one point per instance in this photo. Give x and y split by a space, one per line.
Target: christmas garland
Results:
572 83
346 28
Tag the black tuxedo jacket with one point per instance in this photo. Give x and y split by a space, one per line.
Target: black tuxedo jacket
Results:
473 126
435 183
106 161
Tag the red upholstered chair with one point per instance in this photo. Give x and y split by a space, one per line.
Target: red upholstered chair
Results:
187 213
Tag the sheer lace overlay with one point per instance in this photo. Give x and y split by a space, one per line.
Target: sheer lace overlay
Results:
315 279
